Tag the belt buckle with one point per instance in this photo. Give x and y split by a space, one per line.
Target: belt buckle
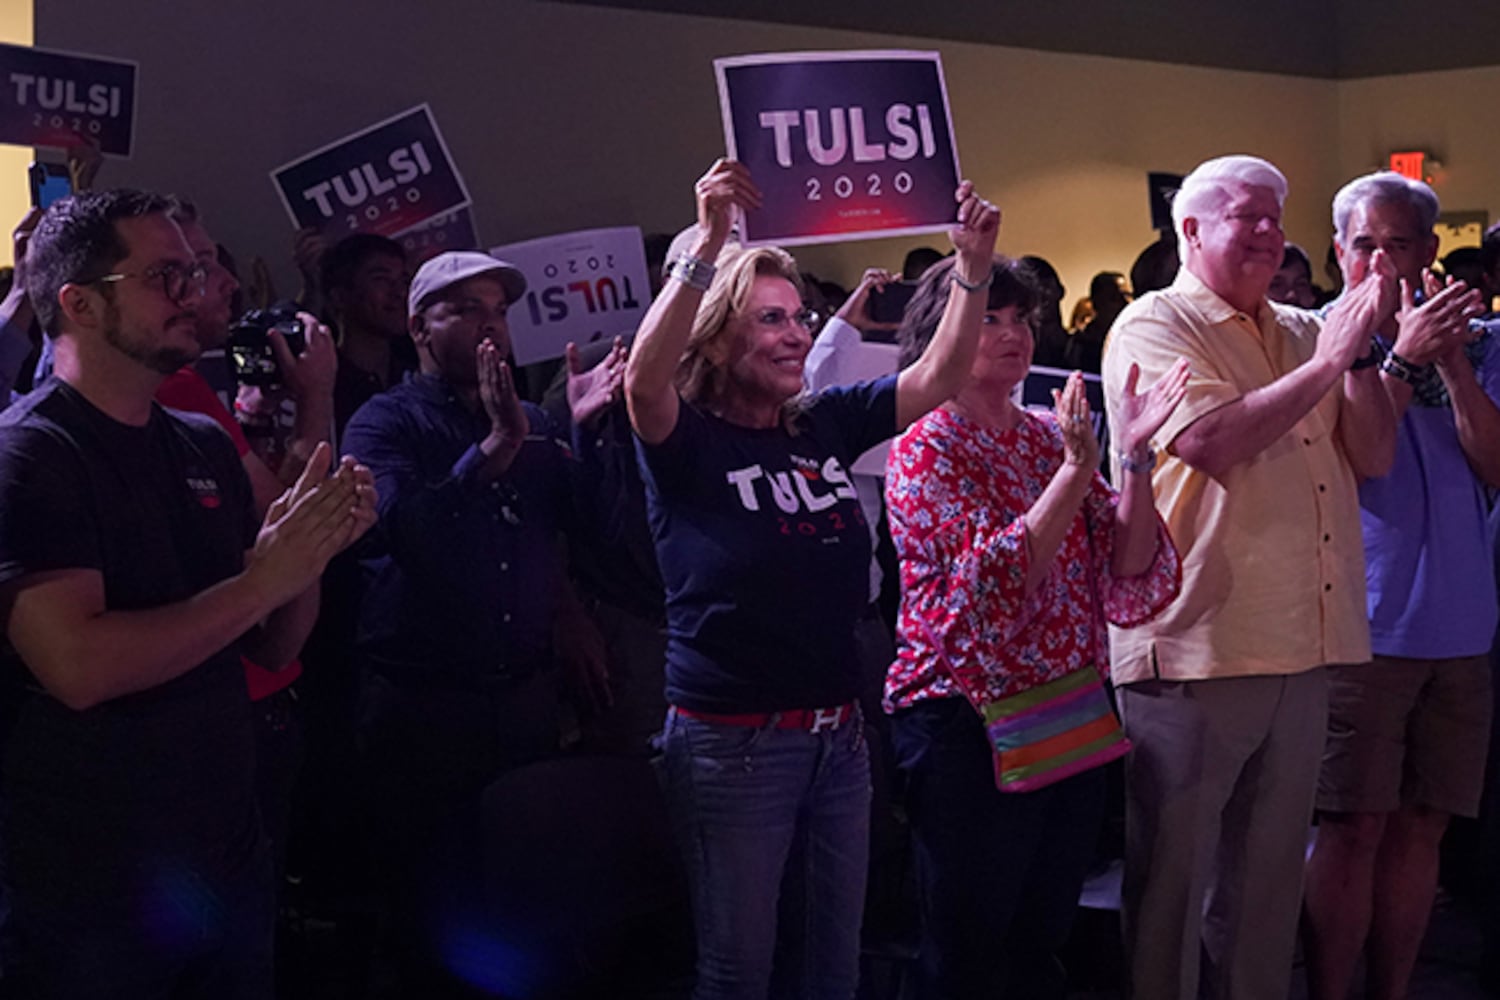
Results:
826 718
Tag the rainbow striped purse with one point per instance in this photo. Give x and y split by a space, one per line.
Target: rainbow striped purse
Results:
1052 732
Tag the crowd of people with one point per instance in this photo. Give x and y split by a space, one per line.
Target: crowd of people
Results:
268 643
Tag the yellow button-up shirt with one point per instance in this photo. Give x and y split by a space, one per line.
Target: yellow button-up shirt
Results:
1273 576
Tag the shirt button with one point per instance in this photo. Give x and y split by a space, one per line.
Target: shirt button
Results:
505 566
1322 488
1326 538
1307 441
505 617
1327 587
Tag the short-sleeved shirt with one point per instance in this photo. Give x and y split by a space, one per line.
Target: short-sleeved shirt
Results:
764 552
187 390
1428 571
151 789
1273 578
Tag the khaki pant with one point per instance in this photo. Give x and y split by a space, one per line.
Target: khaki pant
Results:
1219 795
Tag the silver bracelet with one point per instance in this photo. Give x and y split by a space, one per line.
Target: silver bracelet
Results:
976 286
1146 463
695 272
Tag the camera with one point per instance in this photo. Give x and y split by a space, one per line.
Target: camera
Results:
251 359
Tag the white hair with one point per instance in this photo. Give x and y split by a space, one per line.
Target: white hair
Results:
1209 186
1384 185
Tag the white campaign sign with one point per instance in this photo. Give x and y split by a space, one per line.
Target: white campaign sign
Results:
584 286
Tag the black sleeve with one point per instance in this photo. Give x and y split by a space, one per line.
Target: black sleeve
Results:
45 520
864 412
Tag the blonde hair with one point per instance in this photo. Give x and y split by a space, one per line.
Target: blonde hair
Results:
702 374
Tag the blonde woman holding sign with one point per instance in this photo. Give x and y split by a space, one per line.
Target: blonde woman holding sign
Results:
765 556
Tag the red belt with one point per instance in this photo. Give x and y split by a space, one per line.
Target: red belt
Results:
813 720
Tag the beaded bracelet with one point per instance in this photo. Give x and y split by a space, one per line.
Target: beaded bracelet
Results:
1128 462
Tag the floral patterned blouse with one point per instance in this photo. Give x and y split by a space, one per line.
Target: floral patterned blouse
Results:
957 492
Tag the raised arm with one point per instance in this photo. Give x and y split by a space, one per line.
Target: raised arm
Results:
650 391
1242 429
943 368
16 314
309 377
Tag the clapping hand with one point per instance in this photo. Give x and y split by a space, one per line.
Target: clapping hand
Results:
593 391
1437 327
497 392
1143 414
1071 407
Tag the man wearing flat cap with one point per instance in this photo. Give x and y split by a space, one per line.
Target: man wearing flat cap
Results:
465 580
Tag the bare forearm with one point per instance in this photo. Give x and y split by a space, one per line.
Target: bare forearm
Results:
944 367
1367 426
280 640
1241 430
1477 420
15 342
650 374
1048 520
1135 537
313 425
114 653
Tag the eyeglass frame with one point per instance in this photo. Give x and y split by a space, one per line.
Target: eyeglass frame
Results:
194 275
805 318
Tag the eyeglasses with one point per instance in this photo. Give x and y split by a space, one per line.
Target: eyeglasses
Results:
778 318
175 281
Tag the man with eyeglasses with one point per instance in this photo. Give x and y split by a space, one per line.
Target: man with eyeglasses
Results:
1408 731
134 575
468 613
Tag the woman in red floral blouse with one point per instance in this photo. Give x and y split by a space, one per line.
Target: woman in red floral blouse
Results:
1014 554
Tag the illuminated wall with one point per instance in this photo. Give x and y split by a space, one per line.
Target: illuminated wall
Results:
564 117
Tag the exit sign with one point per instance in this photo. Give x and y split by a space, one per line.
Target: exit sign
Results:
1410 164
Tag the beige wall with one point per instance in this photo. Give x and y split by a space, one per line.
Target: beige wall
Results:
565 116
1449 114
15 190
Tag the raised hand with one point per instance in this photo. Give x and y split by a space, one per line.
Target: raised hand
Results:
1142 414
974 236
725 187
310 375
1361 311
591 392
1071 407
497 393
309 524
84 161
1432 330
856 308
308 246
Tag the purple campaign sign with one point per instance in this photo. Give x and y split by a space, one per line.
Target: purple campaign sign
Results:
843 145
454 231
386 179
60 99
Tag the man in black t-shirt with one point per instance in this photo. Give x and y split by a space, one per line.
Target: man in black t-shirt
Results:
133 575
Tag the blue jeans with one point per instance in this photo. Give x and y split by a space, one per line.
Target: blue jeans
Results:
774 826
1000 872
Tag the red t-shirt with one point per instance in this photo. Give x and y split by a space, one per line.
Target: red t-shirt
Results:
186 390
